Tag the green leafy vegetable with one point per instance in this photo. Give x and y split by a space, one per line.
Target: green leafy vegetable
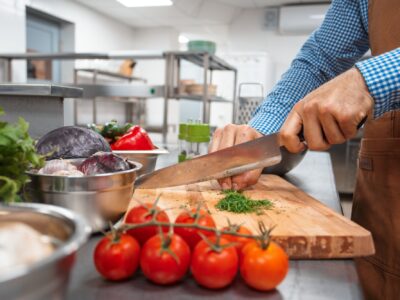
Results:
236 202
17 154
111 130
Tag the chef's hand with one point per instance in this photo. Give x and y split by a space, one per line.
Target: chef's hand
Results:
229 136
329 115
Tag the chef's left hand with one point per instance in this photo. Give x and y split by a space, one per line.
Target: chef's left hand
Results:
329 115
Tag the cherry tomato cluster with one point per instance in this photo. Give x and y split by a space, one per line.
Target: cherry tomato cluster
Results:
166 253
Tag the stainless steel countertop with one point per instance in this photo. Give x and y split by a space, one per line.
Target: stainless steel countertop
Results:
48 90
307 279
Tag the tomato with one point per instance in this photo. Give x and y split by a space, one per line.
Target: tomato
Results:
263 269
213 269
190 235
143 214
239 241
157 262
117 258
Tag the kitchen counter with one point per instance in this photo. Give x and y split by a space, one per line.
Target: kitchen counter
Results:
307 279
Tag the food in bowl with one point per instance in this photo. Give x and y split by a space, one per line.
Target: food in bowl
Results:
71 142
111 131
103 163
124 137
135 139
15 239
98 163
60 167
101 191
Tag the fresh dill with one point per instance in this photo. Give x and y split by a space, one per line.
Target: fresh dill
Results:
238 203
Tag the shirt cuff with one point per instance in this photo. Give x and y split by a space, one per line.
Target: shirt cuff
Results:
266 123
382 76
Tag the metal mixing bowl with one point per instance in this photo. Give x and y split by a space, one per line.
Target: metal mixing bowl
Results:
101 198
148 158
47 278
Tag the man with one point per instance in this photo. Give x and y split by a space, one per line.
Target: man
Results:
327 94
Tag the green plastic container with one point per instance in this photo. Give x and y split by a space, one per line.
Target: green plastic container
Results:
182 131
198 133
183 144
202 46
198 138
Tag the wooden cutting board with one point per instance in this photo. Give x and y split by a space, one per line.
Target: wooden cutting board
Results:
304 227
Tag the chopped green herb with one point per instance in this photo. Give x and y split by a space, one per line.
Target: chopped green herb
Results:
236 202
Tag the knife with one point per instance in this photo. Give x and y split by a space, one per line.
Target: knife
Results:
256 154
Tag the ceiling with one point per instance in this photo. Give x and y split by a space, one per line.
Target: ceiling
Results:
184 13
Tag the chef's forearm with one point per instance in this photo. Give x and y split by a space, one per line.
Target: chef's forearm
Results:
332 49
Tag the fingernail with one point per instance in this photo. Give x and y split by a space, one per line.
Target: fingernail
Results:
225 186
235 186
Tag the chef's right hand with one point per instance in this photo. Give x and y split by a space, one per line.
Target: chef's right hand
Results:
228 136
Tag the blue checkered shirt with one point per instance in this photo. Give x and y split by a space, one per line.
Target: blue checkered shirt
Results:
335 47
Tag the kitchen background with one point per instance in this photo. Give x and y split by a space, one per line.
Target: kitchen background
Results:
258 37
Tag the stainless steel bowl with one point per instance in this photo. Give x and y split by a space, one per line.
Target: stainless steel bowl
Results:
148 158
47 278
99 198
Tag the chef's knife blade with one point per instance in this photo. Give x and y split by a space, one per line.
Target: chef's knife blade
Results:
258 153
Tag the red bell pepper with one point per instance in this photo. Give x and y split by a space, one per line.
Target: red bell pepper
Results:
135 139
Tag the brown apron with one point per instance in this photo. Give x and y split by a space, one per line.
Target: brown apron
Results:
377 194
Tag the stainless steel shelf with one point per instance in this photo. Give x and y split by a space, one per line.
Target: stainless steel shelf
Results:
121 90
82 55
200 98
110 74
197 58
48 90
51 56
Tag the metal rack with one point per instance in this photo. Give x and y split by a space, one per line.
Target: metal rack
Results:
129 104
173 59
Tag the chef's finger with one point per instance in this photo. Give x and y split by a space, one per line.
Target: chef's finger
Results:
225 183
312 129
227 139
228 136
289 133
244 180
332 133
348 122
245 133
216 139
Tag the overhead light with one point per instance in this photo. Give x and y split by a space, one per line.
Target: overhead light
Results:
183 39
317 17
145 3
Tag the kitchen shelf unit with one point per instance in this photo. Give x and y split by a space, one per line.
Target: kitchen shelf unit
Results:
207 61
